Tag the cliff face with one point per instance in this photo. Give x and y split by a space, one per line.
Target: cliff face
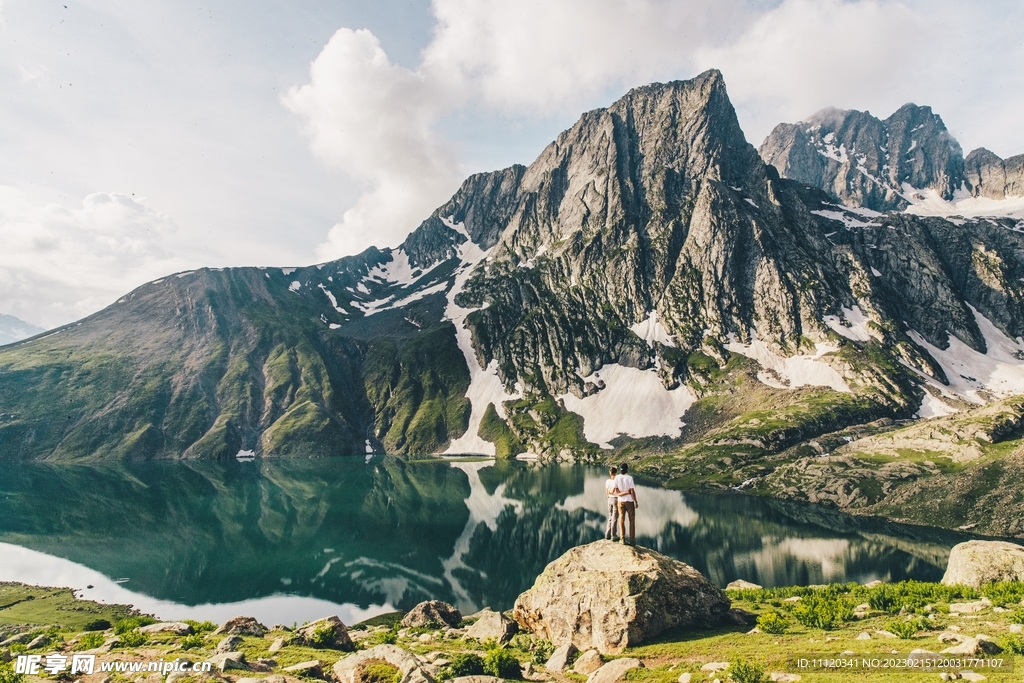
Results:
862 161
986 175
586 301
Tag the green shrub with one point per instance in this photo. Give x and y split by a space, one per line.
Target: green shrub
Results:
501 663
382 638
201 626
192 642
1014 644
1003 593
7 674
132 623
133 638
745 672
823 611
908 628
773 622
1017 616
322 636
89 641
912 596
97 625
463 664
378 671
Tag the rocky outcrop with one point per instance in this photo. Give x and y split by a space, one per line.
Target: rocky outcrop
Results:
491 625
607 596
348 669
178 628
862 161
975 563
328 632
432 613
241 626
987 175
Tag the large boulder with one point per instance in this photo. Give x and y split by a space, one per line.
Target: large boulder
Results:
328 632
976 563
492 625
241 626
432 613
178 628
348 669
607 596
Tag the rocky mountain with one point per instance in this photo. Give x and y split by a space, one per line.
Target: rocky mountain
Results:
891 164
649 285
15 329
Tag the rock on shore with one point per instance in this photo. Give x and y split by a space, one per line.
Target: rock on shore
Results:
976 563
607 596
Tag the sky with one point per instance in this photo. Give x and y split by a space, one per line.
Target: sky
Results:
143 138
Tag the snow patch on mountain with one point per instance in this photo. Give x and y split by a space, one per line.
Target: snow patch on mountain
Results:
485 386
978 376
853 325
633 402
933 406
794 371
334 301
651 330
398 270
930 203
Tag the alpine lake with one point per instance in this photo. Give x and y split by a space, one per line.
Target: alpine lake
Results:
288 541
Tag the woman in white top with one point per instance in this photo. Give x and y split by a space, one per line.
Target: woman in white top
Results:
611 533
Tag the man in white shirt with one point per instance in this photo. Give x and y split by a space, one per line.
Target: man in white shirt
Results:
611 532
627 503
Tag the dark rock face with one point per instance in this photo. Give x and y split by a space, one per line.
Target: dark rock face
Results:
863 161
987 175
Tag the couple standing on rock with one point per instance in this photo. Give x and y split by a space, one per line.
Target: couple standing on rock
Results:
622 504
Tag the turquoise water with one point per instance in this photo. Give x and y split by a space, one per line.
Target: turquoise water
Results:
299 539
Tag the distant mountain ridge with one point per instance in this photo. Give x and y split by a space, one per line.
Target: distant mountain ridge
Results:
649 286
14 329
883 165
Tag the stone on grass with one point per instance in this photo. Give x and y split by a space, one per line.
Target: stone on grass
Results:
477 679
178 628
715 666
493 625
242 626
311 669
975 563
974 646
328 632
969 607
1016 628
432 614
615 670
971 676
228 660
740 585
176 676
950 637
41 640
347 669
228 644
684 677
783 677
885 634
560 657
277 645
588 662
19 639
864 635
607 596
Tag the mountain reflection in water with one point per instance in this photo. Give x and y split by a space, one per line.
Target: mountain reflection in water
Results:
391 532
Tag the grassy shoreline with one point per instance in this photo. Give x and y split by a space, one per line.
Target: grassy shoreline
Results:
822 621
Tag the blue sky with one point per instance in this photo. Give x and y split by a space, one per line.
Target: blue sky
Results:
141 138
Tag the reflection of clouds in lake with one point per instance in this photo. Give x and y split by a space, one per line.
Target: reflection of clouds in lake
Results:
39 569
824 559
658 507
484 508
389 579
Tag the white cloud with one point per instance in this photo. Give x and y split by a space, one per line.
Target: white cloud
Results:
59 264
374 119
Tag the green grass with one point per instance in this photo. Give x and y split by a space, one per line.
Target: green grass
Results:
21 604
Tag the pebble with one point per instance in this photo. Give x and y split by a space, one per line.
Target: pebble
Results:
715 666
864 636
685 677
782 677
